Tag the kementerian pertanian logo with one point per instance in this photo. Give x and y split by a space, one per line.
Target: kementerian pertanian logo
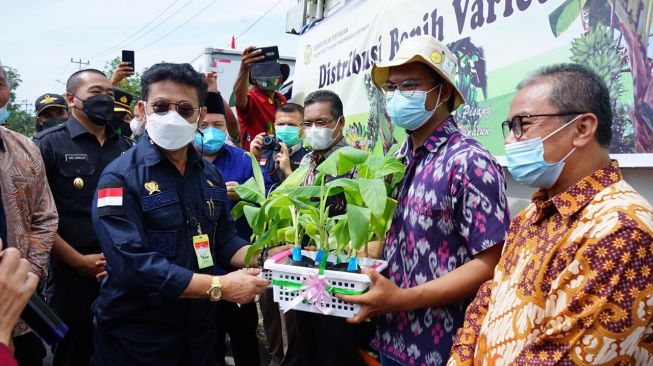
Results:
308 54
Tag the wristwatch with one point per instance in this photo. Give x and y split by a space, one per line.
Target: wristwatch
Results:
215 291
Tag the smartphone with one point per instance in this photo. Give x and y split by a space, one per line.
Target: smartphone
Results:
269 53
128 56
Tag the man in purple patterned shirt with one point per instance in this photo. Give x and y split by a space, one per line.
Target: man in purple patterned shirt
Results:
448 230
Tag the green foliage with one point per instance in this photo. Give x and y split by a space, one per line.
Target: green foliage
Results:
19 120
292 211
131 85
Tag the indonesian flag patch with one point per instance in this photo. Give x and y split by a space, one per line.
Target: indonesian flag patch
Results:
110 201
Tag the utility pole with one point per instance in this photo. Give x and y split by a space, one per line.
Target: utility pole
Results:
26 103
80 62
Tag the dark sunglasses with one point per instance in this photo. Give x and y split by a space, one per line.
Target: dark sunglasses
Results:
162 106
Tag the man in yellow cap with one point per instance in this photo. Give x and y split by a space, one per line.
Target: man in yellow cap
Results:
51 110
452 217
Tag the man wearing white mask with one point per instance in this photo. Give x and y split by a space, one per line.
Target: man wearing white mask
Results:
161 218
574 283
319 336
452 217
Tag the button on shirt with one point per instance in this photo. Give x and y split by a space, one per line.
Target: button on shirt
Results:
72 153
452 206
260 111
574 283
146 231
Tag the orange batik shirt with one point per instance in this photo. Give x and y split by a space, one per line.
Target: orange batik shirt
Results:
574 284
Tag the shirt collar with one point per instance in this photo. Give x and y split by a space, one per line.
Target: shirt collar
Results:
574 198
438 137
153 154
77 129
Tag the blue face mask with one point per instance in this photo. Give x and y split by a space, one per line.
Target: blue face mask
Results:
211 142
527 165
289 135
410 113
4 114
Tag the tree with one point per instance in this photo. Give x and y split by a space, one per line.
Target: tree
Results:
19 120
131 85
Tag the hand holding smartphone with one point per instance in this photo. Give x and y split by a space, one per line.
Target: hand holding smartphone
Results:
128 56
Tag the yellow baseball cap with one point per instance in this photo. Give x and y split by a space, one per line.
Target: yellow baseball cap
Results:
427 50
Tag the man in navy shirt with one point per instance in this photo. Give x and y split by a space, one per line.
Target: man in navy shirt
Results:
160 214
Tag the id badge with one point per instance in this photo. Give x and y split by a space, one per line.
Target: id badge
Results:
202 251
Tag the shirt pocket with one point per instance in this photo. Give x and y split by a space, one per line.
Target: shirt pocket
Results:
164 228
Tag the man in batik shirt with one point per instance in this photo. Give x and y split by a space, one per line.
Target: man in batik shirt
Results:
574 285
452 218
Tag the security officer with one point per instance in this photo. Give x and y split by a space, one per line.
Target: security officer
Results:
161 218
75 153
51 110
122 112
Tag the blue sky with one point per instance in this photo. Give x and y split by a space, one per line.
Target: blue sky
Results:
40 37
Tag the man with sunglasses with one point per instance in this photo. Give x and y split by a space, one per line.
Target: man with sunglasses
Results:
452 216
575 280
161 216
75 153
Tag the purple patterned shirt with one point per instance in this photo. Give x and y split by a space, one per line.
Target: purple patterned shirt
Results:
452 206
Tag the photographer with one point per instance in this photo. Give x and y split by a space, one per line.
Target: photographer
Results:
280 154
256 107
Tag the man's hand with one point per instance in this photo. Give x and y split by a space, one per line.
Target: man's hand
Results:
123 71
256 146
87 265
101 263
17 284
283 160
384 297
242 286
212 80
251 55
231 191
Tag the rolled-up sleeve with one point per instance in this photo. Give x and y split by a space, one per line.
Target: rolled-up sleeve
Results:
131 264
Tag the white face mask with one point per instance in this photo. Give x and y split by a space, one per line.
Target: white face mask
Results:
170 131
137 127
320 138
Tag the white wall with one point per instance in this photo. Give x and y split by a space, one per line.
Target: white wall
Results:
519 195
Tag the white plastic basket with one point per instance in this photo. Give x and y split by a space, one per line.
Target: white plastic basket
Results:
344 280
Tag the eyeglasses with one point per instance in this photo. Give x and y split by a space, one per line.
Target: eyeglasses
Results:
318 123
162 106
406 88
517 122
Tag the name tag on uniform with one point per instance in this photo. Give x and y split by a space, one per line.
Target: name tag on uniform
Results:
202 251
76 157
159 200
216 194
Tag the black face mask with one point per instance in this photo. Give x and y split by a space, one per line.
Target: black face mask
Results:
53 122
99 109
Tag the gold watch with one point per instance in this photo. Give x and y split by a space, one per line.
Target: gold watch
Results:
215 291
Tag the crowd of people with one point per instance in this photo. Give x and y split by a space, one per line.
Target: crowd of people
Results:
120 209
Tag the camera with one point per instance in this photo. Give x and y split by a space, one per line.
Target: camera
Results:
271 143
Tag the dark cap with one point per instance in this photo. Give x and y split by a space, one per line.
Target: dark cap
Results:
123 101
49 100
